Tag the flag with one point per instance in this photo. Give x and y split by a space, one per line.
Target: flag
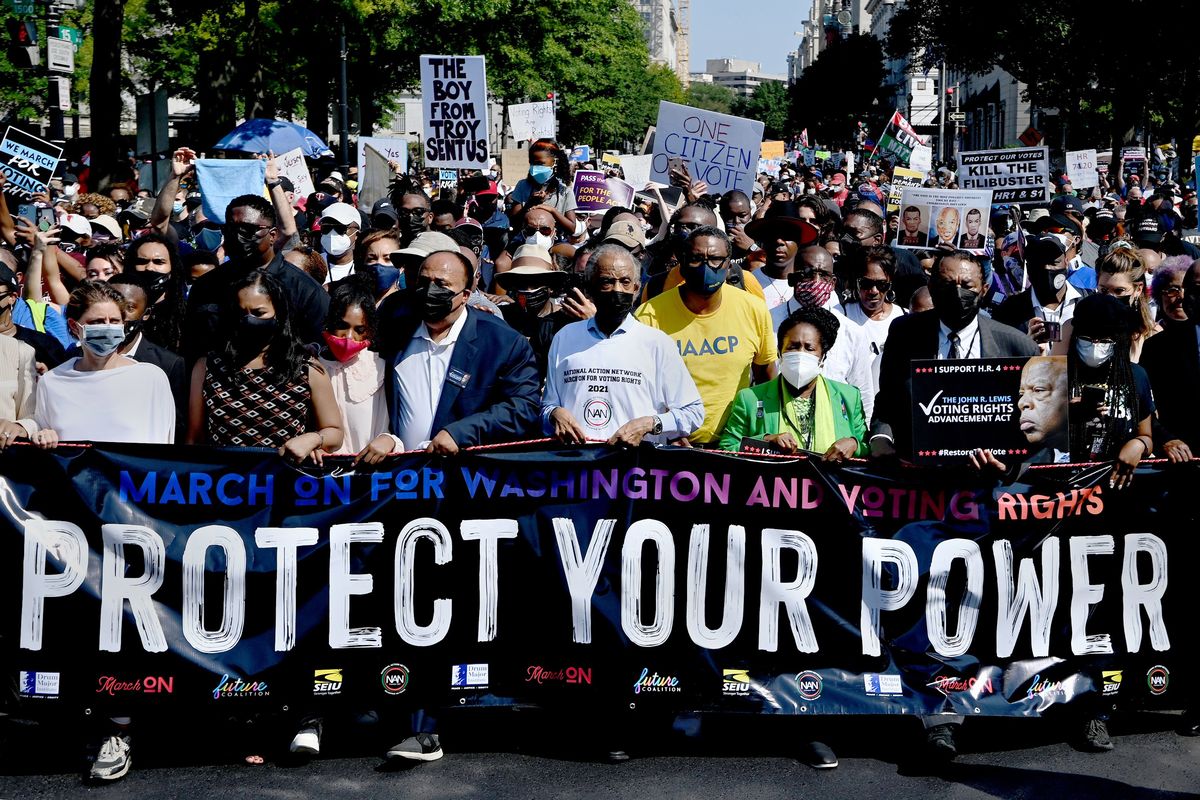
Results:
373 183
898 139
804 138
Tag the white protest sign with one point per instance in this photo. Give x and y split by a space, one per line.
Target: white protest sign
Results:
637 169
291 164
532 120
921 158
1020 175
374 176
956 218
720 149
390 147
1081 169
454 100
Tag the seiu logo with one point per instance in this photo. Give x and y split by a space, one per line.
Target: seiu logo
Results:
719 346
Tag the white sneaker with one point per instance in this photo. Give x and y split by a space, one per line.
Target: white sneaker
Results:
114 759
422 747
307 742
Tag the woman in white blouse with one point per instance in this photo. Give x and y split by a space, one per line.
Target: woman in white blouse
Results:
873 270
356 371
102 395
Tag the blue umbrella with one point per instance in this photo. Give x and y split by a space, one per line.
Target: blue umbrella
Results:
261 135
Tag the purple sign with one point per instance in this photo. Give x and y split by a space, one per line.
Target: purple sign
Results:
594 191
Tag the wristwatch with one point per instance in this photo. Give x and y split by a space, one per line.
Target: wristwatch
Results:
657 429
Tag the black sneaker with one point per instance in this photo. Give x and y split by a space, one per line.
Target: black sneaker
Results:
1189 725
307 742
939 742
422 747
818 755
1095 736
616 756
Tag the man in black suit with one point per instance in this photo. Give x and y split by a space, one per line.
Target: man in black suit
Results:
910 232
1049 302
953 329
1172 360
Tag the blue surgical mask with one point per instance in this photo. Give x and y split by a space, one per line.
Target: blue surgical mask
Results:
540 174
387 276
177 208
103 340
208 239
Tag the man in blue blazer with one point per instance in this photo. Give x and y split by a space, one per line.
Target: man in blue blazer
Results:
457 377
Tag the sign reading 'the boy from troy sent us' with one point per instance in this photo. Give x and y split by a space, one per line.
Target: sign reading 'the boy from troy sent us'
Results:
454 99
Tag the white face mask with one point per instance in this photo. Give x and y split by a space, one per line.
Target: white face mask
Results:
336 244
71 189
540 238
799 368
1094 354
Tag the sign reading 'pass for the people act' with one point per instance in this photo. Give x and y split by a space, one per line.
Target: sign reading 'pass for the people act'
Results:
454 96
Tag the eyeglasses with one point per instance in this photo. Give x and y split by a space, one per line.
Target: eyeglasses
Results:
238 230
545 230
1170 291
141 261
714 262
801 276
686 227
867 284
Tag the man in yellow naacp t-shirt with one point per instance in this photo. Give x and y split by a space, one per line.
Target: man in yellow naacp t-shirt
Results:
722 333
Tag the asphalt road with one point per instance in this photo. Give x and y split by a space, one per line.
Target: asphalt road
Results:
523 755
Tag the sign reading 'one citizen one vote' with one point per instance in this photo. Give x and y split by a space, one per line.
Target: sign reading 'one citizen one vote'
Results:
719 149
454 97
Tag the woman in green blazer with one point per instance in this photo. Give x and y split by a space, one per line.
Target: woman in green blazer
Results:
800 409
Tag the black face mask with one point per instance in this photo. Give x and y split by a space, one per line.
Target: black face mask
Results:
245 246
612 307
437 302
1190 216
954 305
1047 282
157 286
412 225
254 333
533 300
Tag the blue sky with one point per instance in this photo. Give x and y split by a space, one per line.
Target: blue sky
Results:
756 30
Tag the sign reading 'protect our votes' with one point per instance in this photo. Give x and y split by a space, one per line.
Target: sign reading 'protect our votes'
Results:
454 100
720 149
1015 407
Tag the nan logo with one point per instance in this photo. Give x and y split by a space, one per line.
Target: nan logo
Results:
327 681
394 678
1158 678
809 684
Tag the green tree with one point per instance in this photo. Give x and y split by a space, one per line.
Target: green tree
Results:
843 87
1074 59
711 97
769 104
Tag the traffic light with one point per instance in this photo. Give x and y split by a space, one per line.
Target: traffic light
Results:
553 98
22 44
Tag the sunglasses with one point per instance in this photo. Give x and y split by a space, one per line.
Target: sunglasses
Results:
546 230
867 284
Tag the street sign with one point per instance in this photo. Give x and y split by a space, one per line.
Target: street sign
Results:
22 7
957 116
60 93
60 56
67 33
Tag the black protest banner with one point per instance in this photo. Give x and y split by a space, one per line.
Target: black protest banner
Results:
1015 407
454 97
152 578
27 162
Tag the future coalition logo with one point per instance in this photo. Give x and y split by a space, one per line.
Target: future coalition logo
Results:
655 683
238 688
